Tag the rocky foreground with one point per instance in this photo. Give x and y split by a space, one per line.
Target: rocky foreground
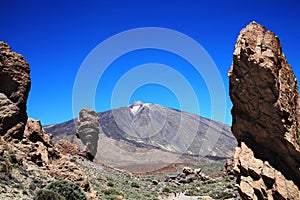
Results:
28 157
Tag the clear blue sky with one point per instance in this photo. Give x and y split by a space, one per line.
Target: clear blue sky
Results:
56 36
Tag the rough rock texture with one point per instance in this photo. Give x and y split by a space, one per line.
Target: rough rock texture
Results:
66 147
14 89
265 112
228 171
188 175
38 149
23 140
36 154
88 131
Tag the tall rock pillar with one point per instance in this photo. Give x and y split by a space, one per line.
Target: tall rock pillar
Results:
88 132
265 113
14 88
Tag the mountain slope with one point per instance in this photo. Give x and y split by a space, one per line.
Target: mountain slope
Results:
150 129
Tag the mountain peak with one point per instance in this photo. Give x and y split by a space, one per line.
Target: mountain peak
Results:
137 106
136 103
155 126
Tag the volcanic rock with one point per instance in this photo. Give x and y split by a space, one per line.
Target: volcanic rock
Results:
23 140
88 131
14 89
265 113
66 147
34 132
187 176
228 169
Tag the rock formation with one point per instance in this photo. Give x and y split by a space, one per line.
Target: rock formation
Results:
265 112
88 132
14 89
228 171
66 147
24 138
188 175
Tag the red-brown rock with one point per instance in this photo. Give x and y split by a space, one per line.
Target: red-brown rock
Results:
66 147
25 138
14 88
265 112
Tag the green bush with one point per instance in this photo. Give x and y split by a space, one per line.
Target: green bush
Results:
192 192
226 195
135 184
44 194
110 184
167 190
112 191
67 189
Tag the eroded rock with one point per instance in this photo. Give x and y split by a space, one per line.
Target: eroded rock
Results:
23 140
66 147
265 112
228 171
14 88
188 175
88 132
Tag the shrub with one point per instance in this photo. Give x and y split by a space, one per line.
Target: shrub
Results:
135 184
226 195
112 191
191 192
44 194
110 184
67 189
167 190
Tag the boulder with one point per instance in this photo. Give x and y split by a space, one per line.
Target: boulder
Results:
265 117
188 175
187 170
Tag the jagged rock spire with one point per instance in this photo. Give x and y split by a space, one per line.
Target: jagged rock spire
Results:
265 113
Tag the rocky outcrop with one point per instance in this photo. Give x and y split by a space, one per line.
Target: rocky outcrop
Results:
35 133
88 132
24 140
66 147
265 112
38 153
14 89
228 171
188 175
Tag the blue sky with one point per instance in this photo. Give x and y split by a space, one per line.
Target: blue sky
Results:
56 36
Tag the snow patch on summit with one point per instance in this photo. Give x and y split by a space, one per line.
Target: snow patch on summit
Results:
135 109
137 106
